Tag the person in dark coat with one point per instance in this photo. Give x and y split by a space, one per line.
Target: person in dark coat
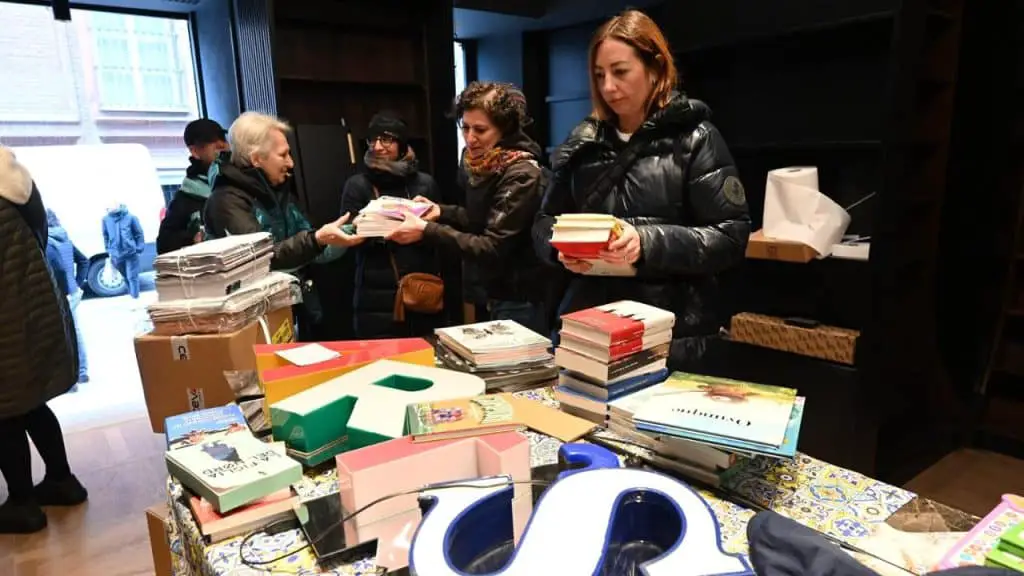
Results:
504 185
681 203
124 242
252 193
70 268
391 169
183 224
38 358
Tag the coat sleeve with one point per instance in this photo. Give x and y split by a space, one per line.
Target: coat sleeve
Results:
139 235
515 206
557 200
715 196
174 228
454 216
228 213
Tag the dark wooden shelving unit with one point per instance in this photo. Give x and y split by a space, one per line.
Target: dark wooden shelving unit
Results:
865 91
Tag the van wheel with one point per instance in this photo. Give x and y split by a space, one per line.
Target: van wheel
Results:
104 280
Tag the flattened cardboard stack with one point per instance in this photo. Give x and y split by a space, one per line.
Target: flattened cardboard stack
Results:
217 300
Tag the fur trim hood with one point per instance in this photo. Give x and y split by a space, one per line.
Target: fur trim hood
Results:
15 181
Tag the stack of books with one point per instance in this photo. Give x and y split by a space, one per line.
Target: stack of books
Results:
382 215
502 352
235 482
608 351
584 236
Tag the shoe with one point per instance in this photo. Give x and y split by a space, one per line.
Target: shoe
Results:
66 492
83 378
21 518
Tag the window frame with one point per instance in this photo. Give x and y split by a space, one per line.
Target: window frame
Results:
134 39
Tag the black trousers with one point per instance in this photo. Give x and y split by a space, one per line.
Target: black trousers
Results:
16 459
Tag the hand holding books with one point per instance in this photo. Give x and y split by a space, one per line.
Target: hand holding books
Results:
434 212
625 249
596 244
331 234
410 230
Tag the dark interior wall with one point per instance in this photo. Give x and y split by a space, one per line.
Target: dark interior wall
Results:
499 58
214 36
568 94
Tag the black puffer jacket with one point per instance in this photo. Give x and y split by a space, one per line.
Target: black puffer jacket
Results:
685 199
374 299
38 349
492 232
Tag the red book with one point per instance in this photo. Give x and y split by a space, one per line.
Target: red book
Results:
617 322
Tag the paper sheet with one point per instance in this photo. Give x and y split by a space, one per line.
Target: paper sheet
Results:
308 355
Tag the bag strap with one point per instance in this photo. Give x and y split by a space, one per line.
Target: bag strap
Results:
391 257
614 175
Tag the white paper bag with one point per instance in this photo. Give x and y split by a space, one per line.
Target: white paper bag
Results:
795 210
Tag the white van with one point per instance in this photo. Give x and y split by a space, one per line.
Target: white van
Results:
80 183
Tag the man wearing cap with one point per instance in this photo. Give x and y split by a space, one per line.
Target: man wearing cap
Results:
183 224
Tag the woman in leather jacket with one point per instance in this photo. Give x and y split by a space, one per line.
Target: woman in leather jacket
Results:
504 184
668 178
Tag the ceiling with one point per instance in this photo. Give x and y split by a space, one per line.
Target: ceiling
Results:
469 23
558 14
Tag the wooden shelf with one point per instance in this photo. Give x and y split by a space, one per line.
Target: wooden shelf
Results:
357 57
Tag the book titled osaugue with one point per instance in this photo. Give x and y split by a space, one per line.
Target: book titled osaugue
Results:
752 412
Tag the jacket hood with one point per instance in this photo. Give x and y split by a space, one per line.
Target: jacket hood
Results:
520 141
57 234
248 180
15 180
679 116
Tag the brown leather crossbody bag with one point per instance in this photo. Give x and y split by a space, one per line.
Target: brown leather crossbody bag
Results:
417 292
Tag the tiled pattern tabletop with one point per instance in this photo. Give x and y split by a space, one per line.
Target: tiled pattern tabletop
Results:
827 498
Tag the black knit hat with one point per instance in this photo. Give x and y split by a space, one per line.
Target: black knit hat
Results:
390 124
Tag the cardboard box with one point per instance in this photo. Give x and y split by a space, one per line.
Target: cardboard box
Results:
824 342
186 373
764 248
156 520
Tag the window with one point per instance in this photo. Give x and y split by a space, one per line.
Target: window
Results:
138 60
460 85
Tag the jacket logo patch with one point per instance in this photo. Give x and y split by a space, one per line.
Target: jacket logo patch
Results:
733 191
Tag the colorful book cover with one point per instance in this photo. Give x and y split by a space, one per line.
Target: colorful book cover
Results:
1012 541
462 417
233 470
720 407
195 427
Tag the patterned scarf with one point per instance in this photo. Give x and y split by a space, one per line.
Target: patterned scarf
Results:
492 162
404 167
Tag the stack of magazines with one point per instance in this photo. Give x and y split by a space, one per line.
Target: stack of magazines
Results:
507 355
382 215
213 268
219 286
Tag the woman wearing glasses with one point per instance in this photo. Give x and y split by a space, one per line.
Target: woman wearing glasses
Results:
390 169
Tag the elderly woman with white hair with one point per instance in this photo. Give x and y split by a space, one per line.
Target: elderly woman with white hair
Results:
251 194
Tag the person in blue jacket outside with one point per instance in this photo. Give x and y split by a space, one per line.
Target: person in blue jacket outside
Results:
124 241
69 267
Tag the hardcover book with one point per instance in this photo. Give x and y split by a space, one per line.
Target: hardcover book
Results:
617 322
754 413
462 417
